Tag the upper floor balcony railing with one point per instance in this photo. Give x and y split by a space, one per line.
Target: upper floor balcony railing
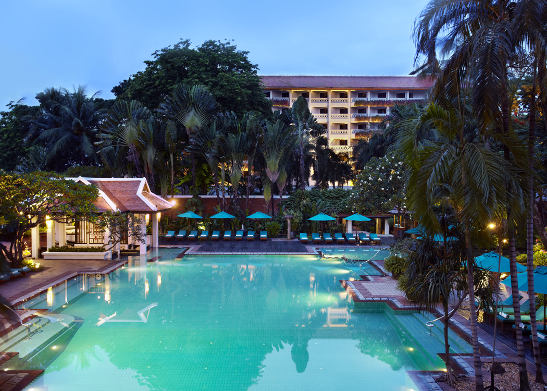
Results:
339 100
339 132
339 116
320 115
384 101
319 100
341 148
280 101
368 117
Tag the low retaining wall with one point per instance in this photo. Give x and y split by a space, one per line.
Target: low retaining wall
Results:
77 255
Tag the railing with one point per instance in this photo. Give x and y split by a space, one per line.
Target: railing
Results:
339 100
342 148
321 116
280 101
339 116
359 115
384 101
320 100
294 99
339 132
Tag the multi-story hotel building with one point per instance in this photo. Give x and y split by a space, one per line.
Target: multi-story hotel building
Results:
350 107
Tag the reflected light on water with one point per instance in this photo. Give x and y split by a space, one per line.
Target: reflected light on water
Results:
146 288
158 280
49 296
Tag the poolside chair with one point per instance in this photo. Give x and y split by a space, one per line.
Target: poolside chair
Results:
508 318
227 235
374 238
327 237
215 235
250 235
263 235
4 277
339 238
507 306
315 237
303 237
170 235
193 235
350 237
181 234
363 238
14 273
239 235
25 269
204 235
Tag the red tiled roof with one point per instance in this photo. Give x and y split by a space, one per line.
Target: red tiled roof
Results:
348 82
127 195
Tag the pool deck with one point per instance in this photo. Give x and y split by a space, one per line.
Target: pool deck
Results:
53 272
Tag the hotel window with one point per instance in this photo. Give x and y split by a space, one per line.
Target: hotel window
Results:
284 94
343 142
323 111
411 95
362 111
343 111
382 95
323 95
400 95
343 95
362 126
361 94
381 111
267 94
306 94
343 126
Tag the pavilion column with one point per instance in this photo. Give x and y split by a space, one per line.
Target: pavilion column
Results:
155 227
35 241
288 227
60 233
378 225
349 226
142 227
50 233
386 226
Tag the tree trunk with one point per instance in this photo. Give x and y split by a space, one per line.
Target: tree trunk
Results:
473 314
302 167
530 227
523 372
446 343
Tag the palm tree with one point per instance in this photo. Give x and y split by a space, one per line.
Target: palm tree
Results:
67 124
194 108
470 175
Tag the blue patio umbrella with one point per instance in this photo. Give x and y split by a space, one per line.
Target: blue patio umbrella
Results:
259 215
540 282
322 217
356 217
190 215
441 238
222 215
489 261
419 230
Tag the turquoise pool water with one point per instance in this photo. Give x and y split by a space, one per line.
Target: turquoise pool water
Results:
355 253
229 323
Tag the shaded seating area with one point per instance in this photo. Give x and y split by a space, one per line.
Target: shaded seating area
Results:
263 235
227 235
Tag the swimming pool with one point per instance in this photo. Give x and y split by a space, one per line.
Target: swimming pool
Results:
354 253
228 323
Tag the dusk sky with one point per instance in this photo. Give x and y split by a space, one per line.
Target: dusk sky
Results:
98 43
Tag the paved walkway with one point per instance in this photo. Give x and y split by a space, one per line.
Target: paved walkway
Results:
52 272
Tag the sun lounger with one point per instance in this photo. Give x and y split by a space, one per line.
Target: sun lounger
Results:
315 237
215 235
507 307
363 238
15 273
508 318
239 235
25 269
193 235
350 237
170 234
181 234
375 238
303 237
327 237
227 235
263 235
250 235
4 277
204 235
339 238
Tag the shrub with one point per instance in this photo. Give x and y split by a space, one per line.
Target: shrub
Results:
66 249
395 265
273 228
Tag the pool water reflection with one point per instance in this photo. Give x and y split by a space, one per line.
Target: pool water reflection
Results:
232 323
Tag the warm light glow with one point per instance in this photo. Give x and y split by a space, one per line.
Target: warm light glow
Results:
146 287
147 218
158 280
173 201
48 222
54 347
505 241
49 296
159 216
491 226
410 349
107 296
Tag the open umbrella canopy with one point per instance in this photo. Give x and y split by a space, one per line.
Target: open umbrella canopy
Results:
259 215
222 215
441 238
190 215
540 280
357 217
489 261
419 230
322 217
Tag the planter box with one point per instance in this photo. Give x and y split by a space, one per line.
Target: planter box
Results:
77 255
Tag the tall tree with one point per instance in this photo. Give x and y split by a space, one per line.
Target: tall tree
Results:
226 71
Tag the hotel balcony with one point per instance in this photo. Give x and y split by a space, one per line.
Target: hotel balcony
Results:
368 117
280 102
339 116
320 101
384 101
338 132
339 100
342 148
321 118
